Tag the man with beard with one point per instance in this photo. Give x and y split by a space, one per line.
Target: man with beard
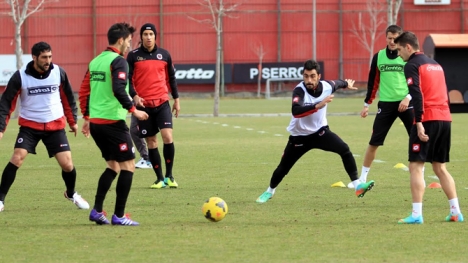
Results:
47 104
309 129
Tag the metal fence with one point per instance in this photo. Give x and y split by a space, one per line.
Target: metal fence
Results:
284 28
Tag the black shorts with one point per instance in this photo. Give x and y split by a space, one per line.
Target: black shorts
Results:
437 149
324 139
158 118
386 116
114 141
54 141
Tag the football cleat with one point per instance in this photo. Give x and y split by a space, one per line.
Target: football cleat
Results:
158 185
264 197
99 218
123 221
363 188
455 218
411 220
79 201
170 181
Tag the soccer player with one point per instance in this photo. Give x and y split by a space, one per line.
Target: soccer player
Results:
309 129
47 104
152 76
104 103
386 76
430 136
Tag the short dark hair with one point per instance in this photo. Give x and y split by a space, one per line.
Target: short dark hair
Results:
119 30
407 37
312 64
394 29
40 47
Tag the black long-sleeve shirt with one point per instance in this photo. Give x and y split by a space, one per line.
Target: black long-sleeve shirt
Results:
300 109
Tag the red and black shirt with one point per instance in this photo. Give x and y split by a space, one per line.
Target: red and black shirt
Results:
152 75
426 83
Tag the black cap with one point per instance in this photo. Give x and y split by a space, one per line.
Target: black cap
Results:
148 26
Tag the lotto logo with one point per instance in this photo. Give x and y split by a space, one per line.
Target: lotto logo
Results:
122 75
416 147
123 147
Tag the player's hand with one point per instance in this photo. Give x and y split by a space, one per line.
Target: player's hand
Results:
1 135
422 132
85 129
403 105
364 112
325 101
138 101
140 115
74 129
351 84
176 108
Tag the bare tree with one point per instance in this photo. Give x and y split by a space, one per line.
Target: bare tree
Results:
367 33
260 52
393 6
217 10
19 11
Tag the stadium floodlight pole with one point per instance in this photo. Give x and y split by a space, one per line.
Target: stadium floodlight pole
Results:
314 31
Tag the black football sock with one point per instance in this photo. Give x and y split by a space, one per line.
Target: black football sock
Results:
104 184
349 164
69 178
124 183
169 152
8 177
155 160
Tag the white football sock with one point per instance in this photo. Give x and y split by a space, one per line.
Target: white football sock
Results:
454 206
356 183
271 190
417 210
364 172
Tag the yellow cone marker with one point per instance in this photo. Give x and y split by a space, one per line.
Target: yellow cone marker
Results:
338 184
399 166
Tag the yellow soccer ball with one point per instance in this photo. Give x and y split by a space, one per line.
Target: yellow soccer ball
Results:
214 209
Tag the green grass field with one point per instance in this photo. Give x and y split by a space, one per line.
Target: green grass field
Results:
233 158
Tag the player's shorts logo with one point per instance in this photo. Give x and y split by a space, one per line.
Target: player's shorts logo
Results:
416 147
144 131
20 140
123 147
